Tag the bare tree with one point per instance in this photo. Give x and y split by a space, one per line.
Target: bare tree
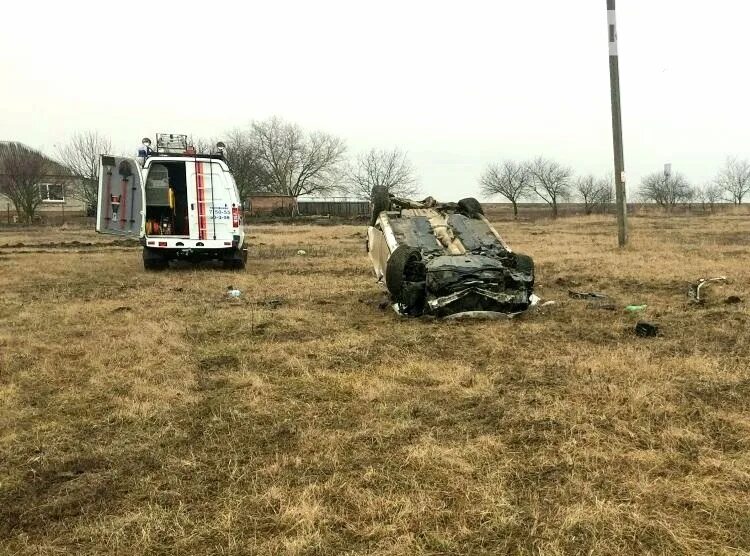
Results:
82 155
550 181
607 193
592 191
386 168
734 179
242 157
297 163
709 194
510 179
23 173
691 194
665 191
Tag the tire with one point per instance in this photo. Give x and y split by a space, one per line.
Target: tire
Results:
404 265
236 261
380 200
525 264
153 260
470 207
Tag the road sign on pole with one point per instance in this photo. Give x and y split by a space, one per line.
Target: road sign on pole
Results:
614 83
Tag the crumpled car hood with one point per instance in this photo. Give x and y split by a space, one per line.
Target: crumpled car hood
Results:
463 283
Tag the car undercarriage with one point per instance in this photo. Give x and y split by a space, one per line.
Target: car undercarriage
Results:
446 259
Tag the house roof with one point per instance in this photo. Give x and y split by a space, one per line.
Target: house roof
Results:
57 169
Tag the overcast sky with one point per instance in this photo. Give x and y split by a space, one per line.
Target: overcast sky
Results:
457 85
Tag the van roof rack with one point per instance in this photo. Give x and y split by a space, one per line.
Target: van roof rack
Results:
216 156
176 144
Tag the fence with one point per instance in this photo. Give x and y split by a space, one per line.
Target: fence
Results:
340 207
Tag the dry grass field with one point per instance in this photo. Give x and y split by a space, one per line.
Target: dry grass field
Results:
147 413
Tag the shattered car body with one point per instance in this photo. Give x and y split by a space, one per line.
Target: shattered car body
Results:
445 259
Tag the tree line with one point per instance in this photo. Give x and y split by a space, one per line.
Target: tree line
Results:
553 183
547 180
269 156
279 157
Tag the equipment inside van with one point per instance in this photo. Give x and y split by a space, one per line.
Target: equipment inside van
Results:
180 204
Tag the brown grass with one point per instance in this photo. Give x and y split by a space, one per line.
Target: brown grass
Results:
148 414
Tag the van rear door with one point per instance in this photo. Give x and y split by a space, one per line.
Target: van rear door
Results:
121 197
212 217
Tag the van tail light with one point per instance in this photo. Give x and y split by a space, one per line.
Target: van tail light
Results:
235 217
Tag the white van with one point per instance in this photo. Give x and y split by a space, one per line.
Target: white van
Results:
180 204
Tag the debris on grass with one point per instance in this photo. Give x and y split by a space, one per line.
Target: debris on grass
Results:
233 292
695 293
646 329
586 295
603 304
596 300
635 308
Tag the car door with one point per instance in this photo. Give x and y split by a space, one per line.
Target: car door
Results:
121 197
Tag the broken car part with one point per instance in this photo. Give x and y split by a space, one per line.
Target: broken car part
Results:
586 295
695 293
646 330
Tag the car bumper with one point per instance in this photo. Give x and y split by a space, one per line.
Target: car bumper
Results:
478 299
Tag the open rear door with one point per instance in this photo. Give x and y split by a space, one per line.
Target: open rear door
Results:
120 209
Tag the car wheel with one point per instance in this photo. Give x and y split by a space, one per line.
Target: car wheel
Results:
470 207
403 271
380 200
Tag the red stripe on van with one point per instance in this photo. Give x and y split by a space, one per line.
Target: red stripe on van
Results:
199 198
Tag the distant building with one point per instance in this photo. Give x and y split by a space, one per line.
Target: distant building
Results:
54 192
270 204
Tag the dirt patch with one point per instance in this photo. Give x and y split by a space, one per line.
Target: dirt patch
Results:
72 244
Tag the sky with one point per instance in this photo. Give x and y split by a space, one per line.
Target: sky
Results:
457 85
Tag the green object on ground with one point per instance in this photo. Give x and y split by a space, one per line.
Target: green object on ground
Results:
635 308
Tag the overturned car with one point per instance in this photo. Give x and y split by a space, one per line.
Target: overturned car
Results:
445 259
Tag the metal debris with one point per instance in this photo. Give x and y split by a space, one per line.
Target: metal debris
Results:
646 329
695 293
586 295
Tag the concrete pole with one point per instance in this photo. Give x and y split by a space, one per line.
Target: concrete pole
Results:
614 83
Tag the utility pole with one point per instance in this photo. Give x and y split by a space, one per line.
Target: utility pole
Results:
614 83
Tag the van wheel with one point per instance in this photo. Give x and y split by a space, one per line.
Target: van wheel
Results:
380 200
237 260
470 207
153 260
